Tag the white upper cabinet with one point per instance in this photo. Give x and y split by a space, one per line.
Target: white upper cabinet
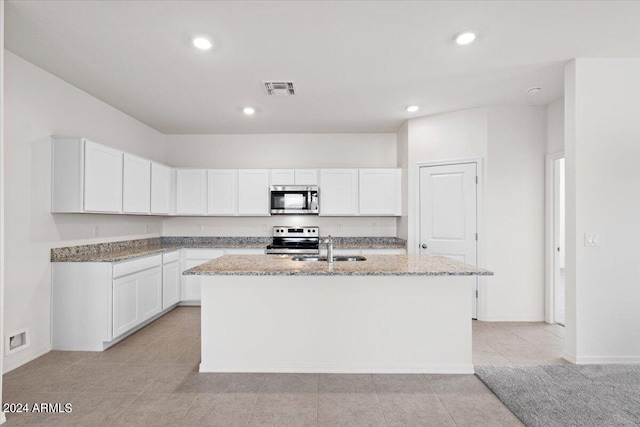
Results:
294 176
191 192
87 177
380 192
253 192
306 176
338 192
136 189
222 193
160 189
283 177
102 178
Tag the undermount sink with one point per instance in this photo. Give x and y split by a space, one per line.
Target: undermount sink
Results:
324 258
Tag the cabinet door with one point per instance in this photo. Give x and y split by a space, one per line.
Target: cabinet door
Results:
248 251
253 192
136 189
379 192
126 305
388 251
306 177
150 293
193 257
338 192
282 177
102 178
170 284
160 189
191 192
222 189
192 283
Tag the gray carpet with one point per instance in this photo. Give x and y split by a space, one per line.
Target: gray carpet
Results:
586 395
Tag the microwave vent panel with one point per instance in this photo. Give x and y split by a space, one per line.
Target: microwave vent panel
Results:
279 88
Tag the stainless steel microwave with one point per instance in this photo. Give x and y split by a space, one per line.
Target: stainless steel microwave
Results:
294 200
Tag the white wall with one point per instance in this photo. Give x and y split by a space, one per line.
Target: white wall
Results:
402 142
603 196
555 126
2 416
450 136
283 150
514 213
39 104
280 151
511 143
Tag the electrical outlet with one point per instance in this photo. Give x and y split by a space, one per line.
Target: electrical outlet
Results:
200 227
146 229
374 227
339 226
591 239
96 230
264 227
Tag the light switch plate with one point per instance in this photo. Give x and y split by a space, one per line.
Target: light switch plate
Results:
591 239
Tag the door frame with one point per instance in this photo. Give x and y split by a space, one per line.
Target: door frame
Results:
480 250
549 250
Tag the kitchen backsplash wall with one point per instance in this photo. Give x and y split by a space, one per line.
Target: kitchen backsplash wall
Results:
261 226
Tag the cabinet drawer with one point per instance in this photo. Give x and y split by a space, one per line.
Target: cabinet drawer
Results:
129 267
204 253
170 257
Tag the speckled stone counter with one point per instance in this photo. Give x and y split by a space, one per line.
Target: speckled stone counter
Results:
374 265
130 249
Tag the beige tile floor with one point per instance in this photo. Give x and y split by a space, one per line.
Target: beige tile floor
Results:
151 379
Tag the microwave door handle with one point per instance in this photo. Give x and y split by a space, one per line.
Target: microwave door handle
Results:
308 204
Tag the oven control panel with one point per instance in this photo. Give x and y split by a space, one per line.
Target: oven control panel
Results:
289 231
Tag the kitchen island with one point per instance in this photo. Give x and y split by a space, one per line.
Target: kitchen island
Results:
389 313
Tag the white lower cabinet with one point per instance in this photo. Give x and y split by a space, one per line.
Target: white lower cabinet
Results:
94 304
170 284
195 257
191 284
381 251
136 298
385 251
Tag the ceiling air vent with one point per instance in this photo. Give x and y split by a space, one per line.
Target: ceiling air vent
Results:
279 88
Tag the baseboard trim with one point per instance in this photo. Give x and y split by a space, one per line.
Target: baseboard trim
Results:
606 360
9 364
428 369
189 303
510 319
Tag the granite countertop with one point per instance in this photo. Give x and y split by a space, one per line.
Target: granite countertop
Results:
130 249
375 265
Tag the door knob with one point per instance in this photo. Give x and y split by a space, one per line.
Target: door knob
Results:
424 246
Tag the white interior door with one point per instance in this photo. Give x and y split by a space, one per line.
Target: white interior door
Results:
558 242
448 224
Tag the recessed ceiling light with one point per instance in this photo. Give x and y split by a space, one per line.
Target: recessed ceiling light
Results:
249 111
465 37
412 108
202 43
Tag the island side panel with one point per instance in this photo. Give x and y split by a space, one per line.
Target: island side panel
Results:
339 324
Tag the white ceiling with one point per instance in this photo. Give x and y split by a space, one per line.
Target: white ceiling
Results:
356 64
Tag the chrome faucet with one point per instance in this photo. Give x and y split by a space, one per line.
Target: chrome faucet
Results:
329 243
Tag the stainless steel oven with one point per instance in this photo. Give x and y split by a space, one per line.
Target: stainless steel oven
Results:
294 240
294 200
